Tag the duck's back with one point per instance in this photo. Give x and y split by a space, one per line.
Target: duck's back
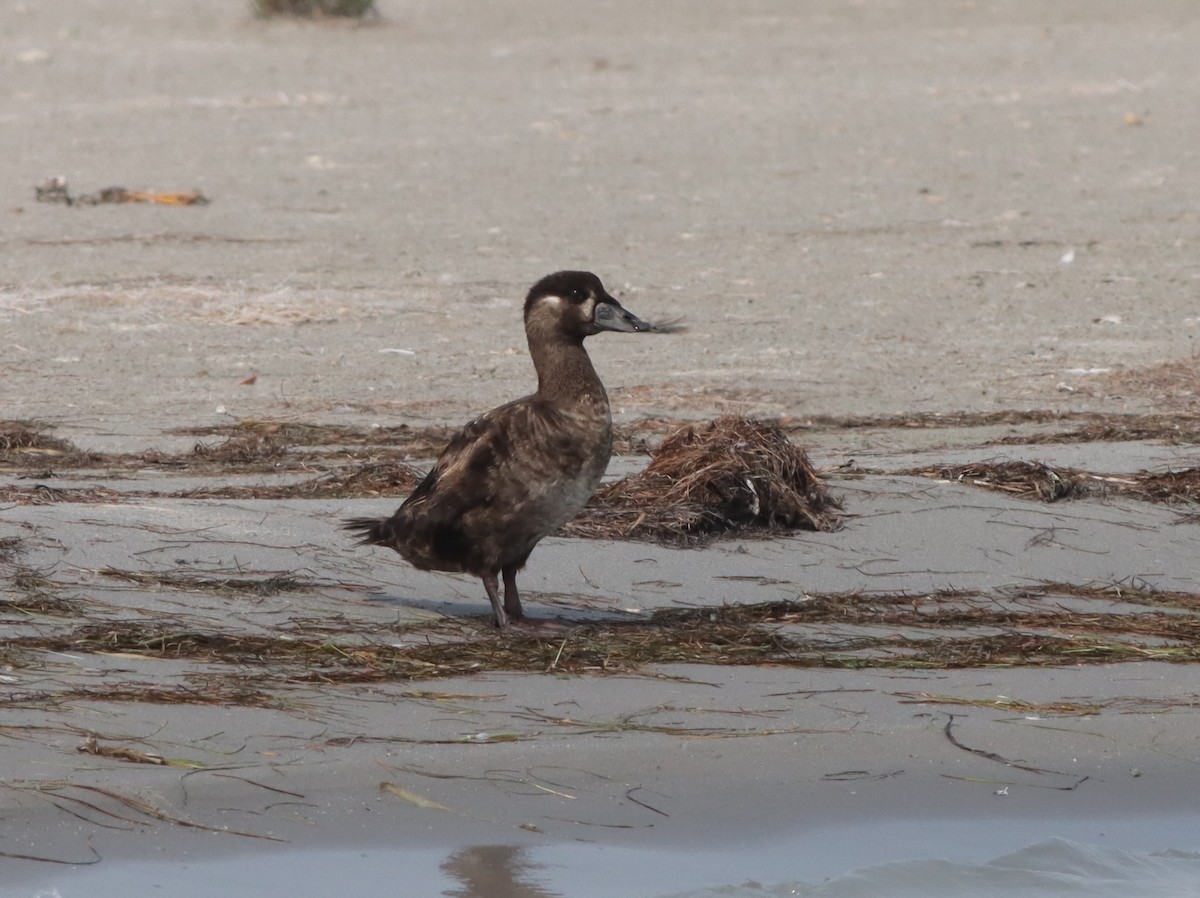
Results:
506 480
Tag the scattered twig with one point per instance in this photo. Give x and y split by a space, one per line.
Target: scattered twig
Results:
95 859
983 753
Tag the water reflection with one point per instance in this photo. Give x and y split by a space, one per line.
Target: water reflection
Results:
495 871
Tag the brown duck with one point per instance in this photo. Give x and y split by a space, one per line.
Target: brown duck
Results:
520 471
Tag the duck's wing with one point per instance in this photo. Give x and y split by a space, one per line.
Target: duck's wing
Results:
502 483
500 457
457 483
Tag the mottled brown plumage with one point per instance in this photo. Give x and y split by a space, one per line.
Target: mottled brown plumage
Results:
520 471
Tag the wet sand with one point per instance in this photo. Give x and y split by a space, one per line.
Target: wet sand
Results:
858 209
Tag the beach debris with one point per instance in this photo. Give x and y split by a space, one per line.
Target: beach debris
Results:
1166 486
733 474
10 548
369 480
413 798
1027 479
241 450
281 445
31 594
91 746
25 442
314 9
858 776
990 755
33 56
122 805
1174 385
269 583
1030 710
429 804
1035 480
42 859
54 190
43 494
1050 625
1177 428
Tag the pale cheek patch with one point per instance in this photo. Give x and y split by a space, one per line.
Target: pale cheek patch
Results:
551 302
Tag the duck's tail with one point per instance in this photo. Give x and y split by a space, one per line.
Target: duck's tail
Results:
371 531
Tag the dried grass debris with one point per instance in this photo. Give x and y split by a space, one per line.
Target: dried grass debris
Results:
313 9
1035 480
1026 627
1172 429
43 494
370 480
1171 385
268 585
1027 479
26 444
251 451
1129 591
931 420
1167 486
359 481
406 440
30 593
10 548
729 475
242 450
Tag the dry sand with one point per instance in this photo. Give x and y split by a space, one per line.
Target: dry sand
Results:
859 208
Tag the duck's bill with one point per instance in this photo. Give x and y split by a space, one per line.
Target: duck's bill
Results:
612 316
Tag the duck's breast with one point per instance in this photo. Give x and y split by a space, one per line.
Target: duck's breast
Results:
545 473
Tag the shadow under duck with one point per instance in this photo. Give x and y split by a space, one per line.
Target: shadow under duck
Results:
522 470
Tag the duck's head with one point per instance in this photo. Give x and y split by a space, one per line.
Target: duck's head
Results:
575 305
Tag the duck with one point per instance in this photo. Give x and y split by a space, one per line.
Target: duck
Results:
517 473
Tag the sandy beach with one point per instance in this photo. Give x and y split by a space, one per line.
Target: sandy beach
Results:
938 246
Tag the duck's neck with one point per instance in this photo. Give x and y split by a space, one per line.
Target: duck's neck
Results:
565 373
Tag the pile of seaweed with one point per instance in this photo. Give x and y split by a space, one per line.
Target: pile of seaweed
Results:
731 474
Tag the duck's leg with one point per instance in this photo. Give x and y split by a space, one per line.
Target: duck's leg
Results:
512 600
492 587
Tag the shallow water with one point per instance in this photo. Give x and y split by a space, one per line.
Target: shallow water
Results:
1129 858
1055 868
